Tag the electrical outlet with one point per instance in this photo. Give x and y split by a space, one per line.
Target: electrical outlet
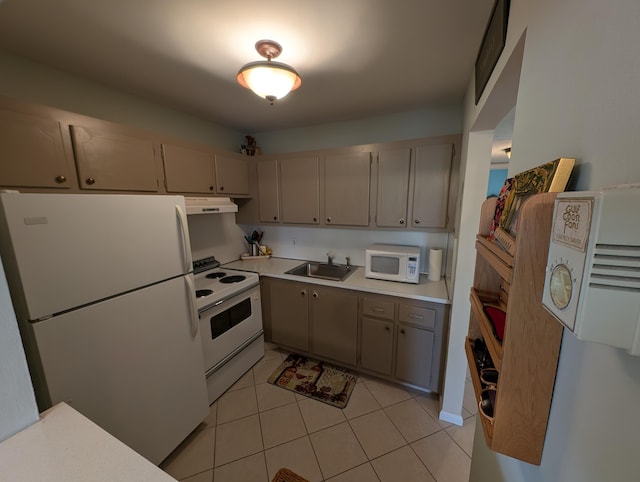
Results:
294 242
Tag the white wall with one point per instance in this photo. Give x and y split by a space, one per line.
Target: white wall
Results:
313 243
414 124
579 96
18 407
33 82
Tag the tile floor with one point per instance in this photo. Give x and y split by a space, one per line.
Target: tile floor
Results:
386 433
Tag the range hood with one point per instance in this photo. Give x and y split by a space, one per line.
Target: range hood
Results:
210 205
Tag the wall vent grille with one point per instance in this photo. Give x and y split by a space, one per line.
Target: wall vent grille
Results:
616 267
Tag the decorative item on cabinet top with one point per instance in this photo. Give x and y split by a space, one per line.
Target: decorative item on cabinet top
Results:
592 280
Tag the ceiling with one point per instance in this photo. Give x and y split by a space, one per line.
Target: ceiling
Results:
357 58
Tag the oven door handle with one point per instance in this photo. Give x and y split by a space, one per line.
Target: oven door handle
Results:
186 242
193 310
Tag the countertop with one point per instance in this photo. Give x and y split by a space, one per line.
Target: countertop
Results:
66 446
425 290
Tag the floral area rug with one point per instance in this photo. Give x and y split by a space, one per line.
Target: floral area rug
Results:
316 379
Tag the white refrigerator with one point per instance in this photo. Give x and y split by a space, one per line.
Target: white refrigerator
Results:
103 292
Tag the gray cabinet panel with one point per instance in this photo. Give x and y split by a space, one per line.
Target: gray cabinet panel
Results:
113 160
268 192
299 181
187 169
232 175
414 355
346 189
289 313
376 345
393 187
431 185
32 152
334 319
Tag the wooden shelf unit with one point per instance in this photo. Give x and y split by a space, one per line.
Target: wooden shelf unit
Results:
527 358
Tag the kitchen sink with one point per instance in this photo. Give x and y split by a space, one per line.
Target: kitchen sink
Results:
314 269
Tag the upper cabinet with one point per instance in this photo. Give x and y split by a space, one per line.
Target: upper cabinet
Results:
346 189
32 152
431 179
393 169
300 190
187 169
413 186
268 191
112 159
232 175
195 169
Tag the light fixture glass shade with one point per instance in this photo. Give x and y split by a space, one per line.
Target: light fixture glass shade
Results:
269 80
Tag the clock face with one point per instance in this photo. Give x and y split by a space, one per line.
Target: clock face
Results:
561 286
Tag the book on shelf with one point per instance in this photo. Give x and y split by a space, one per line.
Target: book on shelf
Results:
505 241
549 177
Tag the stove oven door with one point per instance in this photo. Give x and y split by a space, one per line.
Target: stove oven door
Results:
230 324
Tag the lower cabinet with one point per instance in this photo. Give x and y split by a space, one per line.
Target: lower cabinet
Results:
395 338
288 313
414 356
376 346
334 321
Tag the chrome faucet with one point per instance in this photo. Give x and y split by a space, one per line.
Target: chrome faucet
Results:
348 261
329 258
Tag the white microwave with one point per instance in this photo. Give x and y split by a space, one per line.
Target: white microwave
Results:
393 262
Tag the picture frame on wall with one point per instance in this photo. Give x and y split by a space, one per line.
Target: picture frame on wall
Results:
492 45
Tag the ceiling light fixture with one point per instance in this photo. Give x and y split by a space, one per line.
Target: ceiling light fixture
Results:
267 79
507 151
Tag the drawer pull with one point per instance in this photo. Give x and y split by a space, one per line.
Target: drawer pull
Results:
378 310
418 317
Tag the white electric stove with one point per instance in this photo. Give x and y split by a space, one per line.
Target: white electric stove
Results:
230 313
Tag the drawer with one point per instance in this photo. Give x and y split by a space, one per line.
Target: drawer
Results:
378 308
425 317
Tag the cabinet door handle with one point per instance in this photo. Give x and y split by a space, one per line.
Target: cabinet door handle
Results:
315 219
402 331
275 218
60 179
386 328
401 221
90 181
210 188
315 294
303 292
416 221
328 220
221 188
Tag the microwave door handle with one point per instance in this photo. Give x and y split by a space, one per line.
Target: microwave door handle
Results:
186 242
193 310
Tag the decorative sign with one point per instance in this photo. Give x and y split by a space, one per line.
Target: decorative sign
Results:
572 222
492 45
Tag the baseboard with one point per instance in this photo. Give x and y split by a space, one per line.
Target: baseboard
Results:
451 418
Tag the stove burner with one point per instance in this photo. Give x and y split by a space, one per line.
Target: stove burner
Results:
203 293
233 279
216 275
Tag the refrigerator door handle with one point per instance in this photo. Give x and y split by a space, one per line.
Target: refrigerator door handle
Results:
185 238
193 310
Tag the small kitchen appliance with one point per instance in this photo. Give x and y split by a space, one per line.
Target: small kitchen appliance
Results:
393 262
230 316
